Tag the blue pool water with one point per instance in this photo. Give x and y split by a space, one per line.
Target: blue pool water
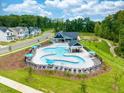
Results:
59 52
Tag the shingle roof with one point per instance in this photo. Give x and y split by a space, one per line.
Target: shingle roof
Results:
74 43
72 35
4 29
33 28
18 29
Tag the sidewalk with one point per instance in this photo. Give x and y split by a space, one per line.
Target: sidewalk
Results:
18 86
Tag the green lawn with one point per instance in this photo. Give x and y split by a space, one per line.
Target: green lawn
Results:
103 46
100 84
5 89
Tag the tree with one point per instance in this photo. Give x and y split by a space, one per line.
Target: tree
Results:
97 29
30 72
83 87
121 41
116 80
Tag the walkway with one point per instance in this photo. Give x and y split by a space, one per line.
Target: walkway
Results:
111 47
26 43
18 86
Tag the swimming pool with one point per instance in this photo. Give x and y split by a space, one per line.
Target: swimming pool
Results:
59 56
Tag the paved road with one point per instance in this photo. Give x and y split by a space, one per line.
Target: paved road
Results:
18 86
26 43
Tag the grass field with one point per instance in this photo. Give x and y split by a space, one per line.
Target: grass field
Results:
104 83
5 89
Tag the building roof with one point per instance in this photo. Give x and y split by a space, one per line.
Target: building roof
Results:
67 35
18 29
3 29
74 43
33 28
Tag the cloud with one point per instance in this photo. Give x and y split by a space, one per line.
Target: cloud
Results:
87 8
27 7
76 17
63 4
95 9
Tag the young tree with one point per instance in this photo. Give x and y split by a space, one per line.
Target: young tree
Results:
30 72
83 87
115 84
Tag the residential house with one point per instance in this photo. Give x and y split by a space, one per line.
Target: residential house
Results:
33 31
6 35
20 32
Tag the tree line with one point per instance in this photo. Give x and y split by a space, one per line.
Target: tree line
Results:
84 25
112 28
25 20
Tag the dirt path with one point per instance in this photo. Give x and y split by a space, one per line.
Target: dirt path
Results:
109 44
18 86
112 48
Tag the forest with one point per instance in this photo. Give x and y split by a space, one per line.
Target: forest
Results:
112 27
85 25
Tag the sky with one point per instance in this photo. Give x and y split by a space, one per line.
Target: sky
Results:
97 10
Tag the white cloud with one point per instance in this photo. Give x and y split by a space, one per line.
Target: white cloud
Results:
63 4
86 8
27 7
75 17
104 7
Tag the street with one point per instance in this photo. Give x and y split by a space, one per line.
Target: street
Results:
26 43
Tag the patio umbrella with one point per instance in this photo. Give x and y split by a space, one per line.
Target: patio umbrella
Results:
92 52
29 55
34 47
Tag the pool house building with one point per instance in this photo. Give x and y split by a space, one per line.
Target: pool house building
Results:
71 38
75 46
65 36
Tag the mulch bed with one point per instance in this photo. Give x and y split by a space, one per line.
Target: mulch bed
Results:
13 61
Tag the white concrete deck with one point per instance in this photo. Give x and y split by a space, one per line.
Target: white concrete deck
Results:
88 62
63 58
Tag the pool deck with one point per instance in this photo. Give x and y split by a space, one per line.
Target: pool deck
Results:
88 62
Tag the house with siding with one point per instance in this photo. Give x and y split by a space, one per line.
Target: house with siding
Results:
6 35
14 33
33 31
20 32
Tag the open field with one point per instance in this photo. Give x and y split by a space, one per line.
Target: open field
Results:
103 83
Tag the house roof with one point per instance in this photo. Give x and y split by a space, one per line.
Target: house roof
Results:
18 29
3 29
74 43
67 35
33 28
